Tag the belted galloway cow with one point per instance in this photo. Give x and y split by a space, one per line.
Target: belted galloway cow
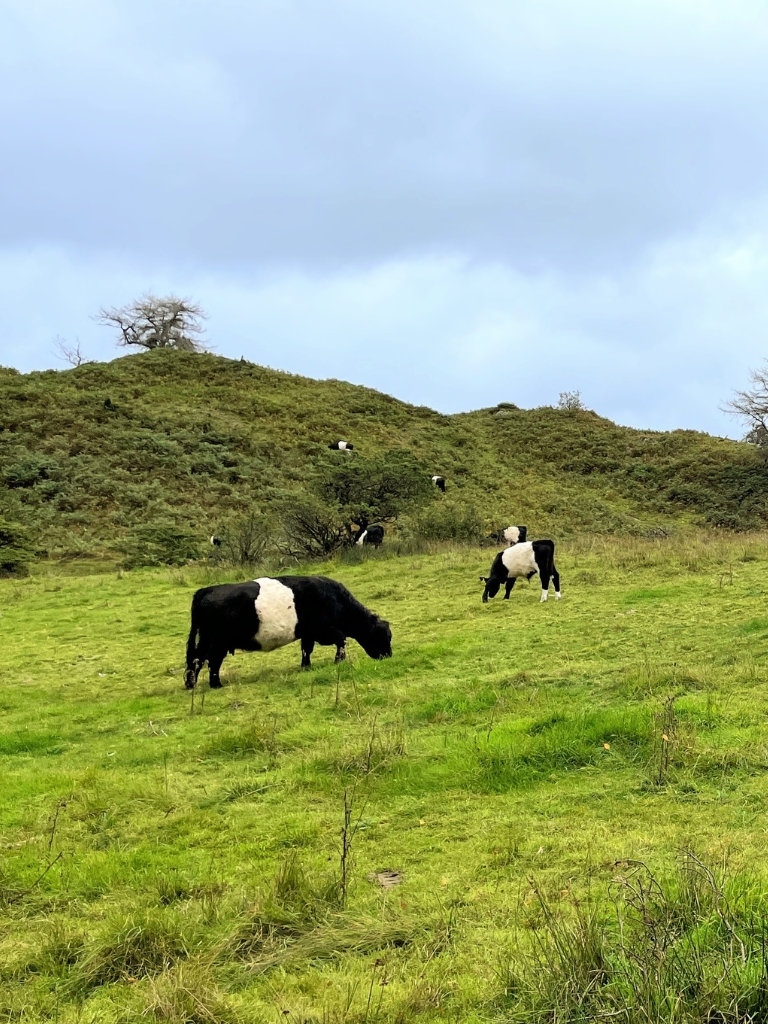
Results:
523 559
270 612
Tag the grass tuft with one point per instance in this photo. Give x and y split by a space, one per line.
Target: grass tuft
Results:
510 758
689 949
188 994
131 948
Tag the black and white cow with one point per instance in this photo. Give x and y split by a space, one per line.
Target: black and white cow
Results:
439 482
523 559
509 535
267 613
341 446
215 541
369 535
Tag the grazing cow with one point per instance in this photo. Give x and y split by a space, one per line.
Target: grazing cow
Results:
215 541
439 482
271 612
341 446
510 535
523 559
370 535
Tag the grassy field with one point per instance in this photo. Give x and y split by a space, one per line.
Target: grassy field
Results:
573 796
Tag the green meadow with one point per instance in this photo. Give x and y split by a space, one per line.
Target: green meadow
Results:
571 798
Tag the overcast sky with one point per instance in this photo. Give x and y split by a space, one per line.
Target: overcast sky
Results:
458 202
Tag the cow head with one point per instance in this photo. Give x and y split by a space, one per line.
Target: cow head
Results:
377 643
492 585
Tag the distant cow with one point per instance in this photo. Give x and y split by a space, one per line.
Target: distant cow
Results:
439 482
370 535
267 613
215 541
509 535
523 559
341 446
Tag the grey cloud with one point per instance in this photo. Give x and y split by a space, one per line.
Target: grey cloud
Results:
337 134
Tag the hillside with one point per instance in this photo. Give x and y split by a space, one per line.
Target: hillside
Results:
89 454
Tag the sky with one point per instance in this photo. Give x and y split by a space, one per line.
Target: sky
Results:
458 202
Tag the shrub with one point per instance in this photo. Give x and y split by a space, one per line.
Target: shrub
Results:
311 526
15 549
246 540
445 521
160 544
378 489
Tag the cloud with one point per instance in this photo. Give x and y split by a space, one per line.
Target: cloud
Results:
660 344
456 202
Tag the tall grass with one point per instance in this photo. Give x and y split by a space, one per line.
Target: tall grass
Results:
688 949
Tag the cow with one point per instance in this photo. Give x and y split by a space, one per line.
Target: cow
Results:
509 535
369 535
523 559
439 482
215 541
341 446
270 612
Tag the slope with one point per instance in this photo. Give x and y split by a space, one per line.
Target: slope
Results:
88 454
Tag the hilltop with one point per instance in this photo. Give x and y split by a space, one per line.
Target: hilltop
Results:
88 454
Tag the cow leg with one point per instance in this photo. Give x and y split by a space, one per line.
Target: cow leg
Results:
341 652
215 659
200 658
544 573
556 581
307 646
508 587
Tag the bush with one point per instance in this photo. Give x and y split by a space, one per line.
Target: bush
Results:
374 490
15 549
450 522
160 544
245 541
312 527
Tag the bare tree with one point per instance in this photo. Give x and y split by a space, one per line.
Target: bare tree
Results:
570 401
71 354
153 322
752 406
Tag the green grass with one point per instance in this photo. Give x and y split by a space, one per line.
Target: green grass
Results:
189 441
160 862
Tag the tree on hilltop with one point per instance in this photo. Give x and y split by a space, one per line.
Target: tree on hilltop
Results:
752 406
154 322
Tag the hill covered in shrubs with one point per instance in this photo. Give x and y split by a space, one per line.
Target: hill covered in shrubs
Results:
143 458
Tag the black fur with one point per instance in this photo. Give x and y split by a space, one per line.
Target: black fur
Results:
544 556
336 446
224 620
374 535
439 482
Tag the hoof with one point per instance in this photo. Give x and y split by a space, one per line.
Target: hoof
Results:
215 684
558 595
